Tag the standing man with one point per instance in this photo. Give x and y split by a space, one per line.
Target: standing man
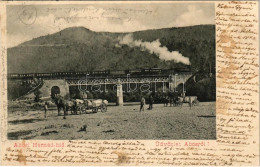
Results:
45 109
170 101
142 104
150 102
75 107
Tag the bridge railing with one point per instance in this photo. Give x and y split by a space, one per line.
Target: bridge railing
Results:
128 79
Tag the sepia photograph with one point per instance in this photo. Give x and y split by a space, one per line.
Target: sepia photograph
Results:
111 71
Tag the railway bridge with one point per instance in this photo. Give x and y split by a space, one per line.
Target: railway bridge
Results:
99 81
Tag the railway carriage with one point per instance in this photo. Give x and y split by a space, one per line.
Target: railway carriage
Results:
152 71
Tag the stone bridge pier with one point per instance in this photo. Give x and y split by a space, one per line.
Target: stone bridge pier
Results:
176 80
119 100
59 86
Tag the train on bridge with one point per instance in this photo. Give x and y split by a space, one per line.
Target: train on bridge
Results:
137 72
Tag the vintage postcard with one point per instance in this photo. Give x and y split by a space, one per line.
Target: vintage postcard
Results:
130 83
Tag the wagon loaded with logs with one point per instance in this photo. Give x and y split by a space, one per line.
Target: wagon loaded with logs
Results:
90 106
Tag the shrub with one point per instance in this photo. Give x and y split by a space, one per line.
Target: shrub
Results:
38 95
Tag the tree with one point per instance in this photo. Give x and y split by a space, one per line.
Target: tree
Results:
38 95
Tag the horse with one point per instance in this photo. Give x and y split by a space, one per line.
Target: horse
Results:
179 101
174 101
71 105
166 101
61 103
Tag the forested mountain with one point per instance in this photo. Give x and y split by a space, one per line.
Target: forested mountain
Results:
79 49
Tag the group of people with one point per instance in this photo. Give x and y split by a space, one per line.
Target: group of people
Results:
150 101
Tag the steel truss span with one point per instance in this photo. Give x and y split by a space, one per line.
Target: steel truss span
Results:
128 80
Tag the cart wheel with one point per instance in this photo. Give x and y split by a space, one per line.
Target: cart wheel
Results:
82 110
94 110
103 107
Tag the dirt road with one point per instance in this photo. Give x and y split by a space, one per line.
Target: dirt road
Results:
124 122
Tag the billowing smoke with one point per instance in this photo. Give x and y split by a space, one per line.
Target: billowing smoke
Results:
155 47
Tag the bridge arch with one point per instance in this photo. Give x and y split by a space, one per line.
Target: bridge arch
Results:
55 86
55 90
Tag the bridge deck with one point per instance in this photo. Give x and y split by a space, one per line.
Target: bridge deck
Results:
98 74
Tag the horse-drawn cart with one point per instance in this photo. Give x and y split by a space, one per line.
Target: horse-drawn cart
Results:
90 105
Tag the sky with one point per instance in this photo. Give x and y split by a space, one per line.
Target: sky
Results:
27 22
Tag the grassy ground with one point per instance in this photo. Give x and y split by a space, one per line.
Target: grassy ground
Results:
124 122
